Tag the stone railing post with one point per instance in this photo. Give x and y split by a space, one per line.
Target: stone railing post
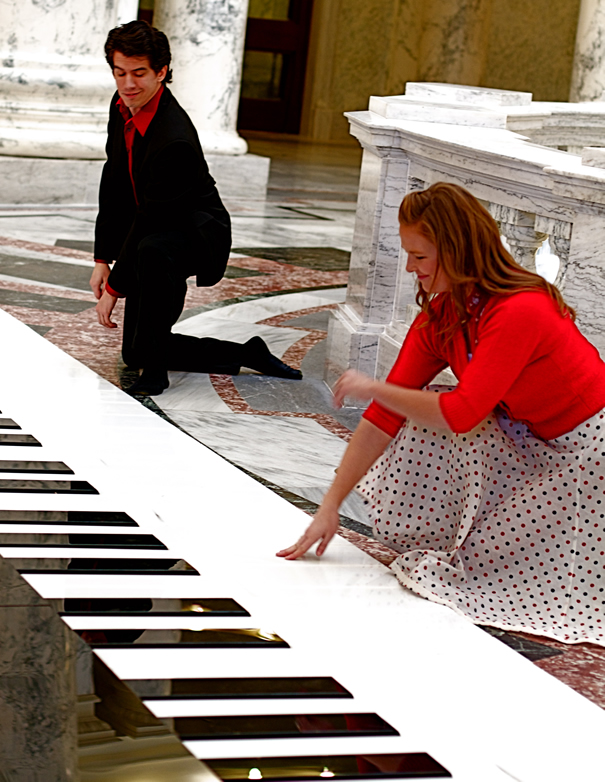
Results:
519 230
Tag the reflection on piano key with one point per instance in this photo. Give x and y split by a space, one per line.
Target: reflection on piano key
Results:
106 566
71 517
211 606
6 465
282 726
249 687
19 439
47 487
209 638
8 423
408 765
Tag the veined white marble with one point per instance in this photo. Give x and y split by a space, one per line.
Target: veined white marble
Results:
207 42
463 94
281 450
53 181
55 83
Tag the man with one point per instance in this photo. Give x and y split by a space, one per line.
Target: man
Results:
161 219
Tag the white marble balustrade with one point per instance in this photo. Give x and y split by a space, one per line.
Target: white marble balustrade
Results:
470 136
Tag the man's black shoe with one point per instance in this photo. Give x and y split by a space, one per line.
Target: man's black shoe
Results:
256 355
150 383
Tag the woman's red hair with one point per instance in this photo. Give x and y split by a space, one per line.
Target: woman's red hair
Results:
469 248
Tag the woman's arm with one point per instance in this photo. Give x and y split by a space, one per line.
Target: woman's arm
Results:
422 406
365 447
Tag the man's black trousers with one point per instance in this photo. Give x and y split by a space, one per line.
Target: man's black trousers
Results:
155 278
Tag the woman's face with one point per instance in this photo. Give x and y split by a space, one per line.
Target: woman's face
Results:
422 260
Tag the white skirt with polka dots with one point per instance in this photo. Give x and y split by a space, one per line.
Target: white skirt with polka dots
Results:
502 527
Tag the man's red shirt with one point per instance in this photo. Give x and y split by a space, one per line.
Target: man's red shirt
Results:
132 123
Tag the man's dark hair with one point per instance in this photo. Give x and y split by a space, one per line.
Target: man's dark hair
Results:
140 39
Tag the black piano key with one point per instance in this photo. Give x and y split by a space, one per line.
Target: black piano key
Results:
92 541
8 423
244 688
405 765
7 465
287 726
208 638
46 487
104 566
19 439
125 606
71 517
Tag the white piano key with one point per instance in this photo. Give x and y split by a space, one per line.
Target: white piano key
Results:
186 621
345 745
68 529
51 585
73 552
214 663
255 706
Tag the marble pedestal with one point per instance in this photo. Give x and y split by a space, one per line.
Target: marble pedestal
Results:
37 181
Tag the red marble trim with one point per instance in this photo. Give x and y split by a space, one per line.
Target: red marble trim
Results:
278 320
46 248
581 667
374 548
226 389
281 277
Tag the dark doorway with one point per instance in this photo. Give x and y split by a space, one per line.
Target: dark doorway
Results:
275 58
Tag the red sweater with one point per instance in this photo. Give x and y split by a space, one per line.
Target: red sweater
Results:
526 358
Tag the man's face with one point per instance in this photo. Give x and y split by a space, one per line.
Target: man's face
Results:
136 80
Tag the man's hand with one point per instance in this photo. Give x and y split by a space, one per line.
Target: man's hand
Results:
104 309
98 278
322 528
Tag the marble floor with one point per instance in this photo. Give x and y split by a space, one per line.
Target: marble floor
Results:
287 271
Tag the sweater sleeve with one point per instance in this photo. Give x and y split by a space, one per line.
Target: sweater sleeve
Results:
510 336
416 365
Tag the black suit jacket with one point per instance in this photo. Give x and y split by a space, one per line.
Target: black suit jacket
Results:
175 192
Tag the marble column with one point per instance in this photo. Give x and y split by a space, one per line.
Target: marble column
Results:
207 43
588 76
55 85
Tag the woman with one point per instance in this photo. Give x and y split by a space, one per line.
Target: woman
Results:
493 491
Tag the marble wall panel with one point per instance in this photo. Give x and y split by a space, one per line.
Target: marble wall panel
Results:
531 47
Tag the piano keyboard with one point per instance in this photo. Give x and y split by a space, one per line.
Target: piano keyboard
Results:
262 669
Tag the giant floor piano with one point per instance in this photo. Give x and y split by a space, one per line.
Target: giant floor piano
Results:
143 605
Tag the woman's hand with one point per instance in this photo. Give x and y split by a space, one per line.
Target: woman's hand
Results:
354 384
323 528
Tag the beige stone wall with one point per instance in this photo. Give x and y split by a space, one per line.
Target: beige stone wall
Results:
531 46
373 47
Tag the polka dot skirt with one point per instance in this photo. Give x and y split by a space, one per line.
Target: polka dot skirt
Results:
505 528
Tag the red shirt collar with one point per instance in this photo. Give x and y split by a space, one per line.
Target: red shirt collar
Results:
142 119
